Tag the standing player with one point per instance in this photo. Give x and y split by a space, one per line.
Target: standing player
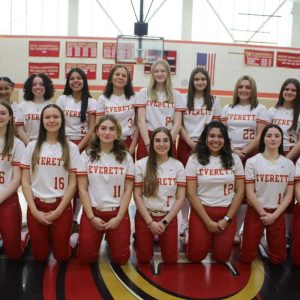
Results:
49 183
245 118
159 193
6 89
269 187
80 114
38 90
10 179
105 180
159 105
118 99
201 109
215 189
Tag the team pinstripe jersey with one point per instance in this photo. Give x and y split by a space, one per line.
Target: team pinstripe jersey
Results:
122 109
106 178
284 118
241 122
195 120
74 127
49 179
7 162
29 116
159 113
270 179
215 184
170 175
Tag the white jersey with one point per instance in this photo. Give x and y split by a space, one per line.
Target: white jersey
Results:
75 129
29 116
106 178
170 175
159 113
7 162
215 184
16 110
241 122
297 170
195 120
284 118
123 109
50 179
270 179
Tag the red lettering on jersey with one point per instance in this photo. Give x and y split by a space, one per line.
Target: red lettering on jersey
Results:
33 117
72 113
272 178
213 172
117 109
237 117
197 112
282 122
50 161
165 181
160 104
106 170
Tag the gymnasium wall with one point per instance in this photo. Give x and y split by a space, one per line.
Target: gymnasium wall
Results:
228 65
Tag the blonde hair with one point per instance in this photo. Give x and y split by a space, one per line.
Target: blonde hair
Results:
168 83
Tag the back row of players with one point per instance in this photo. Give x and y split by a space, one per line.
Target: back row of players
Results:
159 105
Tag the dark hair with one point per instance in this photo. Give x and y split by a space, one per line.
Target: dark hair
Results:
253 97
7 79
208 98
10 131
128 89
150 185
203 154
296 102
85 93
119 148
262 146
61 138
27 89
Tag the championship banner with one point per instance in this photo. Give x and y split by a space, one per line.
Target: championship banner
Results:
109 50
288 60
106 68
81 49
44 48
169 55
259 58
89 69
50 69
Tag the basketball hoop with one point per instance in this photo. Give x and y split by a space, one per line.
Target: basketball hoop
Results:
139 60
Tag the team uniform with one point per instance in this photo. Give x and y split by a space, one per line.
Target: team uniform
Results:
296 224
29 116
10 210
106 185
194 122
241 122
158 113
16 110
170 175
75 129
284 118
215 189
49 182
123 109
270 182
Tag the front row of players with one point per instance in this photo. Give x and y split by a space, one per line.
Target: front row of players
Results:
106 174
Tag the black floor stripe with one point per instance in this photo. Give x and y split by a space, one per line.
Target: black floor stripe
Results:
60 281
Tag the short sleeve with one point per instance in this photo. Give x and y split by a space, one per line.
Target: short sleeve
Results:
250 171
180 174
238 167
262 116
291 172
75 156
100 107
179 101
27 155
18 152
92 106
82 164
141 98
224 113
20 118
61 101
130 167
191 168
297 170
139 175
217 110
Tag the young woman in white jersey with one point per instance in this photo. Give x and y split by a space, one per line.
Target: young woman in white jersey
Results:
38 90
10 179
118 99
201 108
245 118
159 191
215 189
48 183
159 105
105 180
269 188
80 113
6 89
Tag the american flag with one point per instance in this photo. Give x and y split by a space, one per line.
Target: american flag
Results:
208 62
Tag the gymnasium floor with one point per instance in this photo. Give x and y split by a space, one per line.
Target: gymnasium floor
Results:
30 280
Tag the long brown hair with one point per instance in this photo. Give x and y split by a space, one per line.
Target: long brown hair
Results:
119 148
10 131
150 185
61 138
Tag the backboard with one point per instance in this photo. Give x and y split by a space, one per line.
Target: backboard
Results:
139 50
